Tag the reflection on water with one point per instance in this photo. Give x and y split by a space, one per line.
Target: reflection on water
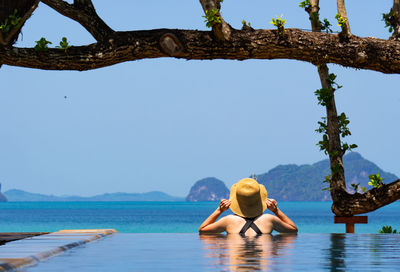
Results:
313 252
234 252
337 252
191 252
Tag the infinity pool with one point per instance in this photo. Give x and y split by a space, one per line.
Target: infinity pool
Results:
191 252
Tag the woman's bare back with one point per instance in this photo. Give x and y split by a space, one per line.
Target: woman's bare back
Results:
235 224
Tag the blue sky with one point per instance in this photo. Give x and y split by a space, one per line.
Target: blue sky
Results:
163 124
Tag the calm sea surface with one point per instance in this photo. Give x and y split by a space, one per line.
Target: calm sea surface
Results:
166 217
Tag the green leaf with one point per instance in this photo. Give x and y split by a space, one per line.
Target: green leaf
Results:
375 181
387 229
212 17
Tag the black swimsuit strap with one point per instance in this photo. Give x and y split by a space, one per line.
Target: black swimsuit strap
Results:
250 224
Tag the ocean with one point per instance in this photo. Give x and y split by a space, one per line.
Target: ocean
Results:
167 217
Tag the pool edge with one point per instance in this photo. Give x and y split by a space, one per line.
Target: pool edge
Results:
75 238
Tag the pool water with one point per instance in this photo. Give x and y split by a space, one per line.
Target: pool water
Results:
192 252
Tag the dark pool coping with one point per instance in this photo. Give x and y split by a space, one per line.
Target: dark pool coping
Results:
6 237
36 248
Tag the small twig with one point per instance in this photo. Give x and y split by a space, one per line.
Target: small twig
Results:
16 29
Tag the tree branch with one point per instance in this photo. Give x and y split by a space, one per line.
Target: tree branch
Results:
337 180
315 22
363 53
367 202
14 32
83 4
221 30
341 7
84 13
2 42
396 19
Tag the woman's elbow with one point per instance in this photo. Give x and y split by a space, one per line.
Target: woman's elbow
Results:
294 229
291 229
203 230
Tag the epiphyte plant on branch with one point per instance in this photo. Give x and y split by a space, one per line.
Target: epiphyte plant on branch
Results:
246 23
314 16
212 17
12 21
356 187
376 180
388 229
64 44
324 96
392 21
326 26
42 44
305 4
279 23
341 20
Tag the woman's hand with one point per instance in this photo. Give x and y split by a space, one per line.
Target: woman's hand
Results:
209 225
224 205
272 205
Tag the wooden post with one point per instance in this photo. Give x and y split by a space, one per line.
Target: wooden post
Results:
350 221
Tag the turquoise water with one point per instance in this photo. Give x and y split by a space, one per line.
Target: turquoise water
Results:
165 217
191 252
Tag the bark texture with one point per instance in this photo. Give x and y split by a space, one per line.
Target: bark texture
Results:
317 48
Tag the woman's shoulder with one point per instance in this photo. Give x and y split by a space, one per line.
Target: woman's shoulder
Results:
233 217
266 217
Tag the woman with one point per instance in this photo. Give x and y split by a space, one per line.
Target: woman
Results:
248 201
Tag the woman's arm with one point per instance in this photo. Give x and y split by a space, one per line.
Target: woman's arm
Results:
282 223
209 225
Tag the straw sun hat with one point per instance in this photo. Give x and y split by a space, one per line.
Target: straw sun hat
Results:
248 198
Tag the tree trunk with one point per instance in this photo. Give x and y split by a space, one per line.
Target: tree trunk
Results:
337 180
396 19
341 8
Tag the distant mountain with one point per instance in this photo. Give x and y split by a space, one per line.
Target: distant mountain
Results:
293 182
18 195
208 189
289 182
304 183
